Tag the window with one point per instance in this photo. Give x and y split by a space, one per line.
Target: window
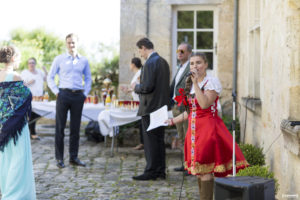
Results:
197 26
254 48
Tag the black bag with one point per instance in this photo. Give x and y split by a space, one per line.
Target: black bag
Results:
92 131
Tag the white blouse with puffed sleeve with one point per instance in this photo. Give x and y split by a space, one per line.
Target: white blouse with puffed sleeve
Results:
211 83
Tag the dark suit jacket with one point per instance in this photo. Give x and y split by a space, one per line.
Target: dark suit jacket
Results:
180 84
154 87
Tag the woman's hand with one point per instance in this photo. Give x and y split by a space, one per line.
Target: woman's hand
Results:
195 75
170 122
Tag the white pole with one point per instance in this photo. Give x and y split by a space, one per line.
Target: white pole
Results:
233 141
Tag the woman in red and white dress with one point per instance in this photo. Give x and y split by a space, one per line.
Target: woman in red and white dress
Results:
208 143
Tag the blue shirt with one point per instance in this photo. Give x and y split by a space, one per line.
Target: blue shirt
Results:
70 71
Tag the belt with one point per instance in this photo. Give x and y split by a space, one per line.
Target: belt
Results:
70 90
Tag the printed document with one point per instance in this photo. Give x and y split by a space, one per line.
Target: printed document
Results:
158 118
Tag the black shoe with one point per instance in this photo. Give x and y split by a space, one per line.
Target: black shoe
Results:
60 164
179 169
77 162
162 177
143 177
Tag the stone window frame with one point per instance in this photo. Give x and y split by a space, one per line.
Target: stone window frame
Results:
195 8
254 45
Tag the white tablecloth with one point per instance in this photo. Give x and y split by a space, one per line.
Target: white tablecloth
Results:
48 110
113 117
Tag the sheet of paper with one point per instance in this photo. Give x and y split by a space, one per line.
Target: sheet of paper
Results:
158 118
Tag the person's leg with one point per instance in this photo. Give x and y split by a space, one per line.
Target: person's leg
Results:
160 152
207 187
75 120
154 151
33 116
141 132
141 145
62 107
179 128
147 144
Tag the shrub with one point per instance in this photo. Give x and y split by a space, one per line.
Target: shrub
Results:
253 154
261 171
227 119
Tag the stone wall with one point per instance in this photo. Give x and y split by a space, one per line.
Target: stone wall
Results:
279 88
133 27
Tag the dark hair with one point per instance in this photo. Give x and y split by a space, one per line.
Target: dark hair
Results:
32 58
145 42
137 62
71 35
6 54
188 46
188 81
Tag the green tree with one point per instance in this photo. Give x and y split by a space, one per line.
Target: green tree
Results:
45 46
38 43
107 68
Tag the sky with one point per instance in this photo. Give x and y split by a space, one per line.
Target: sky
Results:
94 21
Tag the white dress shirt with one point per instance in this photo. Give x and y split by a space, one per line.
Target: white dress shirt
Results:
37 87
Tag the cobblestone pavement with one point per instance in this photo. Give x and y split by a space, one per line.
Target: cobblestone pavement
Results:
105 177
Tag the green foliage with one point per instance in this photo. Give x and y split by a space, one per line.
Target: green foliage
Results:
45 46
106 68
37 43
227 119
253 154
261 171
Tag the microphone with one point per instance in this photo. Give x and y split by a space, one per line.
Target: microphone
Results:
189 74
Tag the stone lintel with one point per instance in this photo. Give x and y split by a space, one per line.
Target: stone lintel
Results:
291 135
193 2
252 104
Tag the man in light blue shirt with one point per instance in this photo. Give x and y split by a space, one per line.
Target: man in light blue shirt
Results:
71 93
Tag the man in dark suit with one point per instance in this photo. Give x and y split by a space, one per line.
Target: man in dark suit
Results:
154 93
184 51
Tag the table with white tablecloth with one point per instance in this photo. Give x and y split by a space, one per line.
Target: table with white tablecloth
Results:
48 110
108 118
112 118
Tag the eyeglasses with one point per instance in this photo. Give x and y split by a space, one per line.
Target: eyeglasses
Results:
179 51
31 63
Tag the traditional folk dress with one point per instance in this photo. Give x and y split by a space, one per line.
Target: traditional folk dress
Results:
208 143
16 172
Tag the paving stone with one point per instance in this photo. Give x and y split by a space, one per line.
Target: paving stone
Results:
105 177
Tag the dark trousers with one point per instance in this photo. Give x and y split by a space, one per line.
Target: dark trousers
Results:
33 116
141 131
66 101
154 147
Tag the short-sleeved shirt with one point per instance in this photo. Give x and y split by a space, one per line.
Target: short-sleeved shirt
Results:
37 88
211 83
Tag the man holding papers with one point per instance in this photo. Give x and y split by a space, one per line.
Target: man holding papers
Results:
154 94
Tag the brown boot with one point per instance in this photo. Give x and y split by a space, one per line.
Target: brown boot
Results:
207 190
199 185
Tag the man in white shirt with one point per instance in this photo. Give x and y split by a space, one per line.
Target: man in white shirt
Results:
184 51
34 79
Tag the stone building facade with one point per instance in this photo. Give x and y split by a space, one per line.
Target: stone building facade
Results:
268 75
269 85
169 23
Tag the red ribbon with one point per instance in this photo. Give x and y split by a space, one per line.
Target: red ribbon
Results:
181 98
